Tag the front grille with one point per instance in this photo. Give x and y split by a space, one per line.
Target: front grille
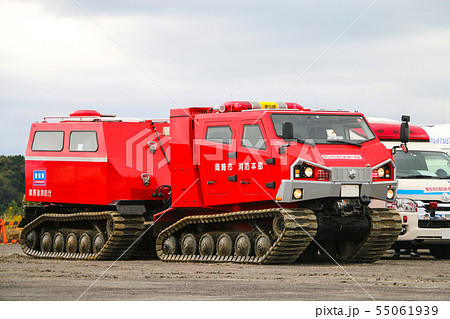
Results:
434 223
439 209
343 174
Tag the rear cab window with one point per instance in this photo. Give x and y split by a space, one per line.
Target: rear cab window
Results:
50 141
219 134
83 141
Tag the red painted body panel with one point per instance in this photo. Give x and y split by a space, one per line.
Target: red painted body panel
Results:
111 173
215 164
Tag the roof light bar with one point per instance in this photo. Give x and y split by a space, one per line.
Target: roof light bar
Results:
238 106
85 113
391 132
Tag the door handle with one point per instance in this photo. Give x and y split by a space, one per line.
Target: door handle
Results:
270 185
245 182
210 182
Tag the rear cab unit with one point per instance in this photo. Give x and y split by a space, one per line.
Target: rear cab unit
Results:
94 162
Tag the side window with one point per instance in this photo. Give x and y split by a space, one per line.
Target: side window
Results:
83 141
48 141
253 138
219 134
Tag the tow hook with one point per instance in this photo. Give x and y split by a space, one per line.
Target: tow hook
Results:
433 206
152 146
145 179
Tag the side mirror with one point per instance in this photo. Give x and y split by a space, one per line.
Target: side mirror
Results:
404 135
287 130
404 129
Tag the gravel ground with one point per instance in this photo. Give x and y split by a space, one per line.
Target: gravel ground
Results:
26 278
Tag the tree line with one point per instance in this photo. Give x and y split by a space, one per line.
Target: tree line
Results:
12 184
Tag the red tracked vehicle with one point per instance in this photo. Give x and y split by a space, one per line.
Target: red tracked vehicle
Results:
255 182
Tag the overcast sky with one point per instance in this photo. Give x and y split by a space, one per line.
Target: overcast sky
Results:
54 59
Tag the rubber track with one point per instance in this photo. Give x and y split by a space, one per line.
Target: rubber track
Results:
126 231
300 229
385 227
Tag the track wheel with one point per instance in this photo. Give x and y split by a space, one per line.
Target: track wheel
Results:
278 225
170 245
206 245
72 243
46 242
98 242
84 243
224 245
242 245
188 244
58 243
32 240
262 245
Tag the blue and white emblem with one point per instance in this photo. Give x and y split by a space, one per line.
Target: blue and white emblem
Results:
445 197
39 178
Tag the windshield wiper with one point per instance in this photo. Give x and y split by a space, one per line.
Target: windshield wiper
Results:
344 142
307 141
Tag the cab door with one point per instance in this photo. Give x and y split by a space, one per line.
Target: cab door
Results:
255 164
216 156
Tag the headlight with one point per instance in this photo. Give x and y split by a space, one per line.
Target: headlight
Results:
304 171
308 171
381 172
390 194
298 193
385 172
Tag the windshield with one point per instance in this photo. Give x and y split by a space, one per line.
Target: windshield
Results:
325 129
422 164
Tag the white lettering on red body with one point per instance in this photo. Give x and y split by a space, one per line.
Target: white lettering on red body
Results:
40 192
243 166
342 157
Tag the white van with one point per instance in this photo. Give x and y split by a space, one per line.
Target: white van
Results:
423 194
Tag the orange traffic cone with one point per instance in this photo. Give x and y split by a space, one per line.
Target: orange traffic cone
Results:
3 231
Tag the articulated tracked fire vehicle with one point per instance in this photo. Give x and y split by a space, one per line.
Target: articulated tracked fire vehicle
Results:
253 182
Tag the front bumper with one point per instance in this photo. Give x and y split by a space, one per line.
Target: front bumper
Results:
419 235
319 189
